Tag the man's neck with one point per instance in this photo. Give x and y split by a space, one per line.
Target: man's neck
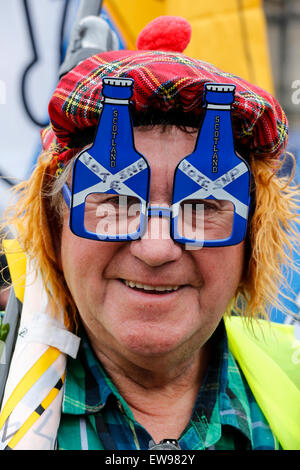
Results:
161 399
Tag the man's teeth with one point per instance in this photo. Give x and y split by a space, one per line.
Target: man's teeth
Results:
147 287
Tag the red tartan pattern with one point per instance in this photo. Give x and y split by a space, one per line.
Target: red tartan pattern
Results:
163 80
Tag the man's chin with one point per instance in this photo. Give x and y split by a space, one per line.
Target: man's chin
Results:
151 345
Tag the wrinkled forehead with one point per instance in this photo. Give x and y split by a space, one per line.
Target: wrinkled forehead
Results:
163 147
171 141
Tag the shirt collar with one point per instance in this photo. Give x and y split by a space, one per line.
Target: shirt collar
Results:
87 385
222 399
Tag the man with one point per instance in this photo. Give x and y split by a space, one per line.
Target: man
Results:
154 361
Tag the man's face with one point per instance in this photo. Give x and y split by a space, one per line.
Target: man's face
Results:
151 297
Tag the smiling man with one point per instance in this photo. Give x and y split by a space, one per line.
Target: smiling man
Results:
150 306
154 211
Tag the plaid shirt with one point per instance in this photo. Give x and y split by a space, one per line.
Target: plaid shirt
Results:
225 415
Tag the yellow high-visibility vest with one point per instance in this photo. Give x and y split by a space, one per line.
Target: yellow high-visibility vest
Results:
270 360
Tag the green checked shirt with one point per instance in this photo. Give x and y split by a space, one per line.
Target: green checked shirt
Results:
225 415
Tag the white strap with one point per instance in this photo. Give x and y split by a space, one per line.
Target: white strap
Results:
45 330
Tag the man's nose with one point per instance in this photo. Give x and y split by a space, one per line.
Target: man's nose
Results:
156 247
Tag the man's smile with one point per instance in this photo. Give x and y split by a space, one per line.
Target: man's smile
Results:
159 289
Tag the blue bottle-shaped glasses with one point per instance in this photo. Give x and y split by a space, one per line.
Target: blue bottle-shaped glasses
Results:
214 180
110 187
111 181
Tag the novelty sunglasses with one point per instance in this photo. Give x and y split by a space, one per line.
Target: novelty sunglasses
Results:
109 196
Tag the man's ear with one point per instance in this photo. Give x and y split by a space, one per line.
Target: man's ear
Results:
59 262
55 224
56 239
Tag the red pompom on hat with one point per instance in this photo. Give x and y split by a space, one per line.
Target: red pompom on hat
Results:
165 33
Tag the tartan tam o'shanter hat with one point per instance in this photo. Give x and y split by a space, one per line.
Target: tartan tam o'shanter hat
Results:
164 78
